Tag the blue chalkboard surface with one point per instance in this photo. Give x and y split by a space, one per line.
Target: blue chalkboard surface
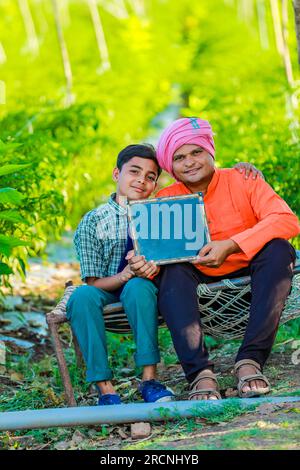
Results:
168 229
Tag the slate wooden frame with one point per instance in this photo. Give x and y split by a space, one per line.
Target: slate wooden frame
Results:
138 245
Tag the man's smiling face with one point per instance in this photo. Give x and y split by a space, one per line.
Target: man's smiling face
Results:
137 178
192 165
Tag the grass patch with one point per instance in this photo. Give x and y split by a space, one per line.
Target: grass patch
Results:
184 428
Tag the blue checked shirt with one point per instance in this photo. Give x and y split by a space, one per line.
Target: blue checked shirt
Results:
100 240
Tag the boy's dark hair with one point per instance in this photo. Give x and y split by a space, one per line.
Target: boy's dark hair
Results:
138 150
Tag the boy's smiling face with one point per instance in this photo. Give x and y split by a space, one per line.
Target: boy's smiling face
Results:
136 179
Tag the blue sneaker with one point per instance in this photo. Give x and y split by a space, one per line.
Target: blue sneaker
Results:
153 391
109 399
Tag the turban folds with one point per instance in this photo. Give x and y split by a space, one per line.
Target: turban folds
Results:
180 132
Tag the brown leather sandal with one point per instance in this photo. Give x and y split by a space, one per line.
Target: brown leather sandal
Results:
194 392
248 378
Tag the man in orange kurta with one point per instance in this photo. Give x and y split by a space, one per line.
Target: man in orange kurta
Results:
246 211
249 226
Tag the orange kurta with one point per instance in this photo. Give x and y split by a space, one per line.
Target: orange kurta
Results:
246 211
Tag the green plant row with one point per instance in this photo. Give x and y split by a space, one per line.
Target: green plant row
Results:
198 55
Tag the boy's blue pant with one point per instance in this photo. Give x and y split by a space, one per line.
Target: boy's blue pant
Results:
84 310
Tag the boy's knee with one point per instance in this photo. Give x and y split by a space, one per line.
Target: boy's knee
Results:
83 294
84 297
139 285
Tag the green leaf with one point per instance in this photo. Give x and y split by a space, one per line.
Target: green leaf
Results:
10 196
5 269
7 243
7 169
13 241
13 216
9 148
5 249
22 265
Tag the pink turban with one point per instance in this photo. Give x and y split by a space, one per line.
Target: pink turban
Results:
180 132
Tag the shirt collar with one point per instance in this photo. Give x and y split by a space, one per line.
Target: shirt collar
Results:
214 181
115 206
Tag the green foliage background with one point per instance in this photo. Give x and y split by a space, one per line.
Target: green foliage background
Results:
198 55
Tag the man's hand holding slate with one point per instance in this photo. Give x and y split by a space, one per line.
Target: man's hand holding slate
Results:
214 253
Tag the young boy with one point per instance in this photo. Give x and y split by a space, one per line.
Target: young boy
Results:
100 242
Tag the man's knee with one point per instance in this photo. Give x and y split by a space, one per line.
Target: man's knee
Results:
279 250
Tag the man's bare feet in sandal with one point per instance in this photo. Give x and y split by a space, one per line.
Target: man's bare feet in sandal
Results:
251 381
253 384
204 387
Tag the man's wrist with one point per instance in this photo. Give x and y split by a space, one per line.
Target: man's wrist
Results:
233 247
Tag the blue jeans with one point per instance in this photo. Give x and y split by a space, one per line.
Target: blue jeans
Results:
85 312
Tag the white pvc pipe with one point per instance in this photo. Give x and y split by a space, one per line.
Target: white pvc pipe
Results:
129 413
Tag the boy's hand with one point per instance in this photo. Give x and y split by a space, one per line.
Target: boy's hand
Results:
129 255
140 266
126 274
214 253
248 168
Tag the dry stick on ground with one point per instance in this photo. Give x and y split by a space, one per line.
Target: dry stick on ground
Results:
102 46
32 39
64 55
